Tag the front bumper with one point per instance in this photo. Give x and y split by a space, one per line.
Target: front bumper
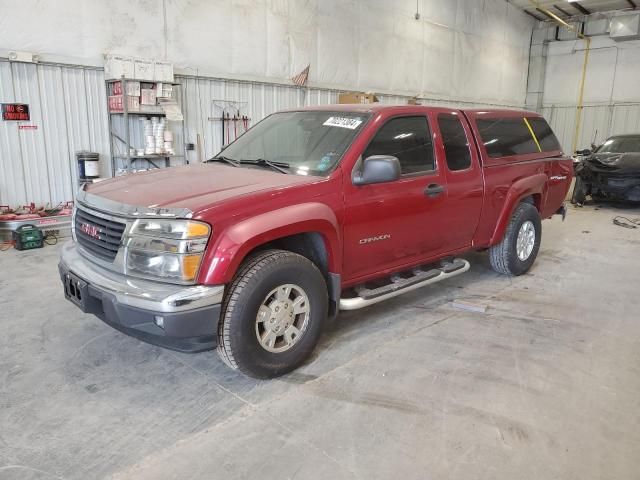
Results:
189 314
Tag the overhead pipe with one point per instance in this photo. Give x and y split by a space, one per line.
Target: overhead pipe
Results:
582 36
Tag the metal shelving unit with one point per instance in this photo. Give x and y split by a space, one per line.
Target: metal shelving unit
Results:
122 140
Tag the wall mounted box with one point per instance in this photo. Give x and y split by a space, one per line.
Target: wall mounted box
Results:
625 27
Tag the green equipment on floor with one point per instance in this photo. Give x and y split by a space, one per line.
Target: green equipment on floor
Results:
27 237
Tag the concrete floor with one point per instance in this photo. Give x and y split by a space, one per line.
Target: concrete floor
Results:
544 385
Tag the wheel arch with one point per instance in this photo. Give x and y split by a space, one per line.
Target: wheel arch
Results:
528 190
310 230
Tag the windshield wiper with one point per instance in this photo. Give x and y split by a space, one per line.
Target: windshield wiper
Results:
281 167
222 158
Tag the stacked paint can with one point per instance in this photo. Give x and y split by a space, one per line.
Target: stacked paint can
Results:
149 140
158 134
88 165
168 143
157 140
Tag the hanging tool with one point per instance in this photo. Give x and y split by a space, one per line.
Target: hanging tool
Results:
235 124
222 136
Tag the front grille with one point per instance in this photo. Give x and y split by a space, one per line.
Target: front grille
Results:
97 235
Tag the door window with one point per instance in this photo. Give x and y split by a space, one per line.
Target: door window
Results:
409 140
454 139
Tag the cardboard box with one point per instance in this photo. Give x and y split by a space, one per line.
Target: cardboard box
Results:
118 66
163 71
164 90
357 97
147 96
133 88
115 103
143 70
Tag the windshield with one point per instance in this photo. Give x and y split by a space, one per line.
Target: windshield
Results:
308 142
620 145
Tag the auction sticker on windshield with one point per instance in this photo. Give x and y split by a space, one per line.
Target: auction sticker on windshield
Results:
343 122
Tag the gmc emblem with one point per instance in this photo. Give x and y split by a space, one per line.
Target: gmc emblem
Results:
90 230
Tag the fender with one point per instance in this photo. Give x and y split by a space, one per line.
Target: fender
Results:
535 184
233 244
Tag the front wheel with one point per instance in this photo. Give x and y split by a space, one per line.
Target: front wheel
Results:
273 314
517 251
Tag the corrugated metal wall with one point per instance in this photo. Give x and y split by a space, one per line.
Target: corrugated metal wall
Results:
68 106
598 122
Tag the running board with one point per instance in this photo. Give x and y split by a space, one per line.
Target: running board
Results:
399 285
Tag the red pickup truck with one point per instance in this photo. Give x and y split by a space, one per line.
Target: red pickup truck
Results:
311 211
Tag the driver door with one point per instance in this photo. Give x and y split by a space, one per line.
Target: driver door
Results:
391 225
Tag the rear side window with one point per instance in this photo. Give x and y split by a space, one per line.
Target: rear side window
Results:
546 138
408 139
504 137
454 139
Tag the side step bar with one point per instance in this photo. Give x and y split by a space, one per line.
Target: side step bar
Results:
399 285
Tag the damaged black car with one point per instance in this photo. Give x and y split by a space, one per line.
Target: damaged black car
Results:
610 172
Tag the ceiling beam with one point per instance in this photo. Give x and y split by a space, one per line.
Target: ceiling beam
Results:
580 8
534 16
545 13
562 11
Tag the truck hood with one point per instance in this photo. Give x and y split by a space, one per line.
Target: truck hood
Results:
193 187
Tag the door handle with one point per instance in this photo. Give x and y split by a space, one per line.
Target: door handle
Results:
433 190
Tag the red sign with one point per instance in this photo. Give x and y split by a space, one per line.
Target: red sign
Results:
27 127
15 112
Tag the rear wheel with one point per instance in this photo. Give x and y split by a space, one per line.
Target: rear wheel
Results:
272 315
517 251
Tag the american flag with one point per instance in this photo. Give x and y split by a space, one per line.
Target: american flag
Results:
301 78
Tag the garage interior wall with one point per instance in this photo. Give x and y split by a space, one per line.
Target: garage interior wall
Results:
611 95
459 52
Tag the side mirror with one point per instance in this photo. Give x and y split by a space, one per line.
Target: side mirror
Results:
377 169
586 151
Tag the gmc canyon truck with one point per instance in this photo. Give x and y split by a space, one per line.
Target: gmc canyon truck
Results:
310 212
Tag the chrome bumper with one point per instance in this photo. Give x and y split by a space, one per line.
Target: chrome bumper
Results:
137 293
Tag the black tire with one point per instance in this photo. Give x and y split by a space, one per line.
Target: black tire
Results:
238 343
504 256
579 194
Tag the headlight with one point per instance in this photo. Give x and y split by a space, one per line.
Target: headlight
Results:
170 250
180 229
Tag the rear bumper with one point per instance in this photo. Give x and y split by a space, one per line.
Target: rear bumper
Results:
183 318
